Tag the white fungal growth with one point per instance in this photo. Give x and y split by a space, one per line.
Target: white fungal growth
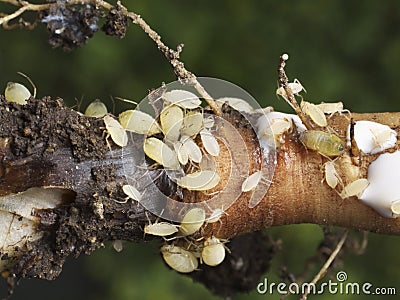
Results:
132 192
372 137
192 149
139 122
199 181
96 109
314 112
192 124
252 181
16 92
331 176
171 119
210 143
116 131
213 252
160 229
179 259
354 188
182 98
192 221
236 103
160 153
383 192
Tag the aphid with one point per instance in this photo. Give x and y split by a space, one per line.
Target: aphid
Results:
192 124
179 259
382 137
171 119
96 109
208 122
331 176
331 107
139 122
354 188
182 98
116 131
160 153
215 215
117 245
252 181
210 143
325 143
213 252
295 87
279 126
192 149
395 207
199 180
132 192
16 92
192 221
236 103
314 112
160 229
181 153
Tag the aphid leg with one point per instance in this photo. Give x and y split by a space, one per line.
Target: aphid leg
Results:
30 81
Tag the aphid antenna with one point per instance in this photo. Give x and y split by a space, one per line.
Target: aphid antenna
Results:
30 81
126 100
113 103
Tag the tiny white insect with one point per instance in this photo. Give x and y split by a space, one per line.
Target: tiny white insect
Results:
395 207
181 152
192 124
182 98
16 92
160 229
236 103
171 119
160 153
208 122
96 109
139 122
200 180
354 188
210 143
132 192
117 245
213 252
295 86
252 181
314 112
279 126
215 215
179 259
192 221
116 131
331 107
331 176
192 149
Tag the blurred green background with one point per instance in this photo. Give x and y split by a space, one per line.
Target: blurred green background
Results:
339 50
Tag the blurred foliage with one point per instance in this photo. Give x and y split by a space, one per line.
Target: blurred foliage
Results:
339 50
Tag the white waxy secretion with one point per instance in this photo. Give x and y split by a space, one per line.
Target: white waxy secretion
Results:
192 124
354 188
213 252
192 221
179 259
139 122
116 131
160 153
199 181
252 181
331 176
16 92
171 119
96 109
210 143
182 98
132 192
314 112
160 229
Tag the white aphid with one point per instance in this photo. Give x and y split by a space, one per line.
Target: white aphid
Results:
294 86
395 207
215 215
252 181
354 188
210 143
179 259
192 149
372 137
158 151
236 103
139 122
96 109
331 176
116 131
192 221
160 229
132 192
117 245
331 107
280 126
200 180
213 252
181 152
182 98
16 92
192 124
208 122
171 119
314 112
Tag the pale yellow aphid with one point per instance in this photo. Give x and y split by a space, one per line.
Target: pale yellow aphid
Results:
325 143
213 252
139 122
160 153
382 137
181 153
191 149
16 92
252 181
236 103
116 131
210 143
331 107
331 176
192 221
160 229
179 259
295 87
395 207
199 181
354 188
132 192
96 109
192 124
314 112
279 126
117 245
182 98
171 119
